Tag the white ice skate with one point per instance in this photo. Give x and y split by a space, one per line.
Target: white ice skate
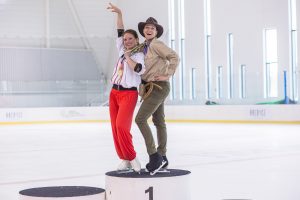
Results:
136 165
124 165
125 171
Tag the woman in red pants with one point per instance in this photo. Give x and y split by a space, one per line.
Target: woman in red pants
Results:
123 96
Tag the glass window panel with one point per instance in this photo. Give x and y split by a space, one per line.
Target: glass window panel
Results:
271 63
271 45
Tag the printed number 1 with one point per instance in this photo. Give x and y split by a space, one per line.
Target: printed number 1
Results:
150 190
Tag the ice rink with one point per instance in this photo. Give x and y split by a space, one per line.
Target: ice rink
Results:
227 161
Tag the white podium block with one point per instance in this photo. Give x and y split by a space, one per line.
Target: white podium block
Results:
63 193
171 185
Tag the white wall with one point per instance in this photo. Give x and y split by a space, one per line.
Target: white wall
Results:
24 23
32 64
246 20
80 24
195 46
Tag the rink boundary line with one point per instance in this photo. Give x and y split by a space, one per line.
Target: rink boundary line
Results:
168 120
53 122
231 121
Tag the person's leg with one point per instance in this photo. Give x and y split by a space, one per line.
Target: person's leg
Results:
158 119
113 111
147 108
127 103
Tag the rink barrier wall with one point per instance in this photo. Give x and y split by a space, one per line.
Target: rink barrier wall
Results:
283 114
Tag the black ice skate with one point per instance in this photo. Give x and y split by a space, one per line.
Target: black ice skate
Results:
165 167
155 164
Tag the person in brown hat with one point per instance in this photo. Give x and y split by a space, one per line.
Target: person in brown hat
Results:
161 63
150 21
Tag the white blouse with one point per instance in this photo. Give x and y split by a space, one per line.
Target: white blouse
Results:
123 74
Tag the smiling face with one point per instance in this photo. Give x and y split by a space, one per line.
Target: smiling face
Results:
150 31
130 41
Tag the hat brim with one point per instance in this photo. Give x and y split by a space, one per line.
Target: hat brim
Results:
159 28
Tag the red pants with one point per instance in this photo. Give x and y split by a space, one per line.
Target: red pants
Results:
121 108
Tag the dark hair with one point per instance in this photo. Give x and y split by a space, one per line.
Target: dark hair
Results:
132 32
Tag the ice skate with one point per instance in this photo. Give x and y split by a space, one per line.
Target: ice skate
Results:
161 170
124 165
165 166
158 170
135 165
155 164
126 171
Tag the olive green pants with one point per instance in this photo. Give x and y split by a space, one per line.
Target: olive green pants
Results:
153 106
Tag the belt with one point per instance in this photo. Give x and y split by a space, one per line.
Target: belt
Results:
156 82
120 87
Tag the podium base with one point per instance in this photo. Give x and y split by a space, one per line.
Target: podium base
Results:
63 193
172 184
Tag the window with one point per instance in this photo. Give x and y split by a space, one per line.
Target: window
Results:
207 17
294 51
172 41
271 63
243 82
230 65
219 80
177 41
181 25
193 82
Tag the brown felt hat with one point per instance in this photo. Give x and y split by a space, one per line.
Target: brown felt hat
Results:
152 21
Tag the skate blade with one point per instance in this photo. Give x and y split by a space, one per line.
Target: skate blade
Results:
125 171
157 170
163 171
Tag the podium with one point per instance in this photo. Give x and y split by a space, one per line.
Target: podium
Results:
172 184
63 193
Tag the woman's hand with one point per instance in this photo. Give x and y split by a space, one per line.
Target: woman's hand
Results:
127 54
114 8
